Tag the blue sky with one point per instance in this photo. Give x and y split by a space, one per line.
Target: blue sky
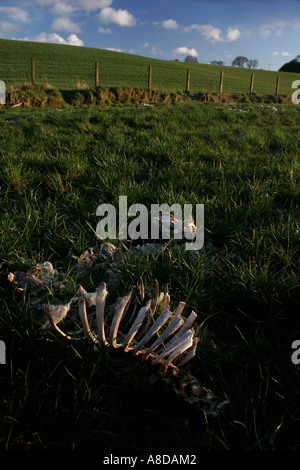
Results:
266 30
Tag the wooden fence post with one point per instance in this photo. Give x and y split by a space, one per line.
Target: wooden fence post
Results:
221 82
150 76
277 85
32 70
188 79
251 82
96 73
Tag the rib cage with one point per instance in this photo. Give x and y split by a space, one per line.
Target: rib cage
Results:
171 344
152 347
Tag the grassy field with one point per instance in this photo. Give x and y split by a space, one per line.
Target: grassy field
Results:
242 163
69 67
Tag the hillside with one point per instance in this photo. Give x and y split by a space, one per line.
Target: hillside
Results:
69 67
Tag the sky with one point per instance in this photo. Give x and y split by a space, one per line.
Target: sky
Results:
266 30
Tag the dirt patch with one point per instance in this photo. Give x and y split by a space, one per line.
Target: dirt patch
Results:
30 95
33 95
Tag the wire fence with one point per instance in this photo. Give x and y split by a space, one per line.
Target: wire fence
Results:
171 76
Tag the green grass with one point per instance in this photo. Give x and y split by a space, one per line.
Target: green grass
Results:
65 67
56 167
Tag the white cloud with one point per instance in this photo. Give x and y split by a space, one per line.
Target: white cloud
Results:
264 31
63 9
55 38
88 5
156 51
276 25
44 3
7 28
185 50
229 56
284 54
74 40
146 44
104 30
169 24
120 17
213 34
92 5
210 32
65 24
114 49
15 13
233 34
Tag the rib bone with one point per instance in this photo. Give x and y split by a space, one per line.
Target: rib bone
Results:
119 310
82 313
136 325
184 328
100 306
190 354
174 325
173 345
187 344
162 319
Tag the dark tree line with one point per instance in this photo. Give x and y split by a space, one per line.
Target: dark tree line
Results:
292 66
239 61
191 58
242 61
217 62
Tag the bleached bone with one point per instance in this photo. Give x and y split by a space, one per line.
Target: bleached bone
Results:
166 352
52 322
157 299
176 346
162 319
119 310
173 345
127 307
135 327
179 309
181 348
174 325
82 313
100 306
190 354
192 317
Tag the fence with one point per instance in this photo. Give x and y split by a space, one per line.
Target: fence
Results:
163 76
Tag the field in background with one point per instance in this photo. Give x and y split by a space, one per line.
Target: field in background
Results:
242 163
69 67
